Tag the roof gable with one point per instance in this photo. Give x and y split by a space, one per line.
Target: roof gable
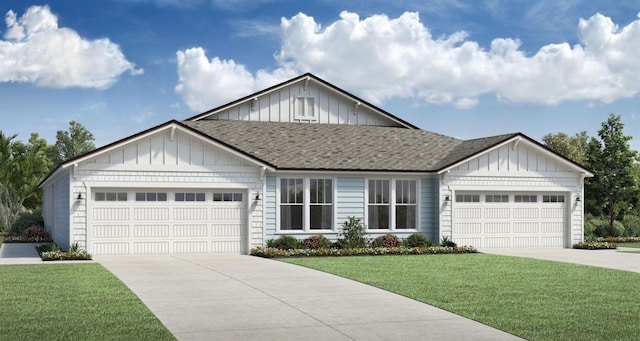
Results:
308 95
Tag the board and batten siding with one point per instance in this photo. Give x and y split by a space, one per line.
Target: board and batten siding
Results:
57 205
514 167
330 107
160 162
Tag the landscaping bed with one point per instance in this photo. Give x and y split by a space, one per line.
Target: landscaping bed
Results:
52 252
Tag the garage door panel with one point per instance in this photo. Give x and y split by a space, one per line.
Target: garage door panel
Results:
112 248
151 248
468 228
525 227
150 231
496 213
226 230
525 213
190 213
190 247
555 212
110 214
151 213
111 231
227 213
497 242
526 241
190 230
552 241
468 213
227 246
552 227
496 227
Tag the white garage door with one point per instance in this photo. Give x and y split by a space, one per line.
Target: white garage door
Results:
143 221
509 220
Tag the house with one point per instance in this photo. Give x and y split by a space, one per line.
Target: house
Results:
298 159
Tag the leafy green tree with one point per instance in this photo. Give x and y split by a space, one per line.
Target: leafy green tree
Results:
69 144
571 147
22 169
613 190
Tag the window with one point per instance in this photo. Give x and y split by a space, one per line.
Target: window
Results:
151 196
378 204
467 198
227 197
189 196
320 204
304 108
496 198
406 204
110 196
525 198
291 204
553 198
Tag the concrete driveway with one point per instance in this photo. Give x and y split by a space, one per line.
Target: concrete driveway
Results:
612 259
243 297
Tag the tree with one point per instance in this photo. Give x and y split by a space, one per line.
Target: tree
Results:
571 147
22 169
613 190
69 144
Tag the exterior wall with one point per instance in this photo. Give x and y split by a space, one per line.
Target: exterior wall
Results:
351 201
330 107
56 209
161 162
514 168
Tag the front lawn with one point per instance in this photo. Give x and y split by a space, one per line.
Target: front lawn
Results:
72 302
635 245
533 299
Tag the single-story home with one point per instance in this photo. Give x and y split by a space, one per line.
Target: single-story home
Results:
298 159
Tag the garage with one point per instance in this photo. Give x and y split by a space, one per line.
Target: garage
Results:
163 221
509 220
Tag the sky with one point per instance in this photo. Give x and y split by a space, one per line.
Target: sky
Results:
461 68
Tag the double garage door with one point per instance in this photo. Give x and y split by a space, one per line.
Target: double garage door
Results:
143 221
510 220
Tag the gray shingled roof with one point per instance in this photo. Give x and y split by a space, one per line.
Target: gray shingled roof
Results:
343 147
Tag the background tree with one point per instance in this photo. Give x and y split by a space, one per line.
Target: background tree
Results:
23 167
613 190
76 141
571 147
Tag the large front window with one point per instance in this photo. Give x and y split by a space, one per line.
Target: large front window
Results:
306 204
392 204
406 204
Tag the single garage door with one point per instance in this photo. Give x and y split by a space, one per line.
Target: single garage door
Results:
509 220
143 221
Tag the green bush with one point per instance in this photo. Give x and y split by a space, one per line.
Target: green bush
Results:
388 240
316 242
285 243
25 220
599 226
353 234
360 251
631 225
595 245
446 242
417 240
52 252
35 234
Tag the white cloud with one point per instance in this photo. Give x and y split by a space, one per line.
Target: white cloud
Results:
35 50
382 58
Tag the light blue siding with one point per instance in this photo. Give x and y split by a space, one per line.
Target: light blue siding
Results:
429 207
270 208
350 199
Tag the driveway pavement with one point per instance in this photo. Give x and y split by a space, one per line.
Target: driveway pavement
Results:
612 259
243 297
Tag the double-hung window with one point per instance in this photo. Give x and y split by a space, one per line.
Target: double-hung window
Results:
320 204
291 204
406 204
379 205
306 204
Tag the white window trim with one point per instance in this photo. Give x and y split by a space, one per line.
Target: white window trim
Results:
306 205
392 205
301 113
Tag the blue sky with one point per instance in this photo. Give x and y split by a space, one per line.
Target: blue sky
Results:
461 68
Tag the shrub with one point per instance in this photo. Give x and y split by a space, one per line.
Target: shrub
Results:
360 251
36 234
446 242
595 245
631 225
25 220
286 243
51 252
353 234
316 242
388 240
417 240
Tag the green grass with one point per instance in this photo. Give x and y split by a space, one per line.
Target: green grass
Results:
533 299
636 245
72 302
